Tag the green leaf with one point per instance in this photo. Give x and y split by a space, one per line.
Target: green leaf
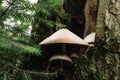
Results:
32 50
4 76
27 76
21 48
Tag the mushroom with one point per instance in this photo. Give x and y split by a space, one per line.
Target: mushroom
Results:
60 63
64 36
90 38
60 57
74 56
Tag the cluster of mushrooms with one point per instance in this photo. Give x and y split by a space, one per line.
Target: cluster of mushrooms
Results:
65 37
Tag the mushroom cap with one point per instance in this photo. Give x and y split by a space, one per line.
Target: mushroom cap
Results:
64 36
60 57
74 55
90 38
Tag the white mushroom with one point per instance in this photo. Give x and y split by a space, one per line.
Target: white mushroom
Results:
64 36
60 57
90 38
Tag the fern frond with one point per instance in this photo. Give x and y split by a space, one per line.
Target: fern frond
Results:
21 48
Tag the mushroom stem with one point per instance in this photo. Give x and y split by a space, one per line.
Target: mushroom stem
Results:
64 48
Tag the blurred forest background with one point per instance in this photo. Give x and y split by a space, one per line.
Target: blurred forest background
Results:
24 24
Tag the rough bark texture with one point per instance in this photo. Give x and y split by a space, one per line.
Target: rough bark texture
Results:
108 21
108 37
112 22
100 27
90 11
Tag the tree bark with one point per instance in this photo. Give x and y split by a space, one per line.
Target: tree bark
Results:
90 11
100 25
108 21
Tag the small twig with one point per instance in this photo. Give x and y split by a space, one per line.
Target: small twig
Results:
38 73
31 72
10 65
7 9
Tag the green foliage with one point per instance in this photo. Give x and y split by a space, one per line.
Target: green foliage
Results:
112 39
98 65
30 49
10 45
27 75
49 17
17 10
15 45
5 45
48 10
101 62
55 3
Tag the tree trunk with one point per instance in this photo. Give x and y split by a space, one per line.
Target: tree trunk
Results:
108 21
90 11
100 26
